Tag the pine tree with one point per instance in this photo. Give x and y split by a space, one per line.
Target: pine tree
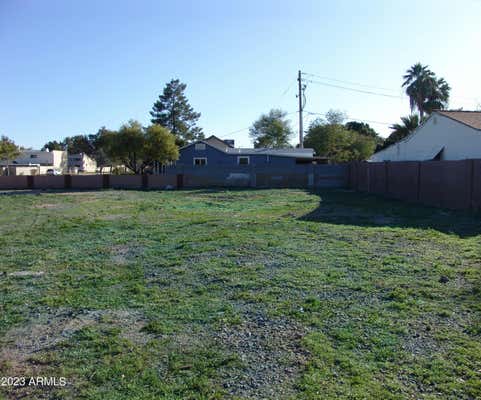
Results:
173 111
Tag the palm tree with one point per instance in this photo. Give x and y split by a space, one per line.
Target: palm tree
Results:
439 96
426 92
400 131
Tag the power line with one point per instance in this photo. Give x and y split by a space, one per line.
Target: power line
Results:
350 83
231 133
355 90
288 88
247 128
458 98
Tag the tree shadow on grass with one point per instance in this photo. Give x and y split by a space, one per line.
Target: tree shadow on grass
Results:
346 207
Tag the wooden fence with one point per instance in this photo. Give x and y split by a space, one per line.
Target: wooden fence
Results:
447 184
296 176
87 182
299 176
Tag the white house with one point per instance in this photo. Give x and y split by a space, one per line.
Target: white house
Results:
81 162
34 162
445 135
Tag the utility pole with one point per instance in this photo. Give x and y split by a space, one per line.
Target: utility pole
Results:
301 106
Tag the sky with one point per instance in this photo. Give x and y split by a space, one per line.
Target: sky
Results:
70 67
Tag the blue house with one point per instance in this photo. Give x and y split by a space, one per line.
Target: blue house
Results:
221 154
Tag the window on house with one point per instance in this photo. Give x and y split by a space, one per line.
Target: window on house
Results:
33 156
199 146
243 160
200 161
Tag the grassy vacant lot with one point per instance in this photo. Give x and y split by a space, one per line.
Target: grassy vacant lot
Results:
239 294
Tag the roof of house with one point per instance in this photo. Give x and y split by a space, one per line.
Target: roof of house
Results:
219 144
294 152
469 118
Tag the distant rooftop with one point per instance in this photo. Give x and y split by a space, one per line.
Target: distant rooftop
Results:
470 118
228 147
293 152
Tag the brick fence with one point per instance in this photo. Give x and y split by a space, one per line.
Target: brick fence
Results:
447 184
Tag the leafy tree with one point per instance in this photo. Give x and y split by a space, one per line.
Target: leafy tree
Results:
127 145
362 128
100 143
138 148
160 145
173 111
8 150
73 144
271 130
335 117
365 130
361 147
400 131
53 145
426 92
338 143
328 140
79 144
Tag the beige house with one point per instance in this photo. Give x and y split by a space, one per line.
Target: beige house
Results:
81 163
18 169
36 162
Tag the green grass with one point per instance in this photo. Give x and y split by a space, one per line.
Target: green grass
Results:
214 294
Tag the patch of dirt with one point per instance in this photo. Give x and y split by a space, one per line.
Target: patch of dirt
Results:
47 330
48 206
121 254
29 350
271 353
26 274
79 193
421 337
420 342
112 217
40 334
131 324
